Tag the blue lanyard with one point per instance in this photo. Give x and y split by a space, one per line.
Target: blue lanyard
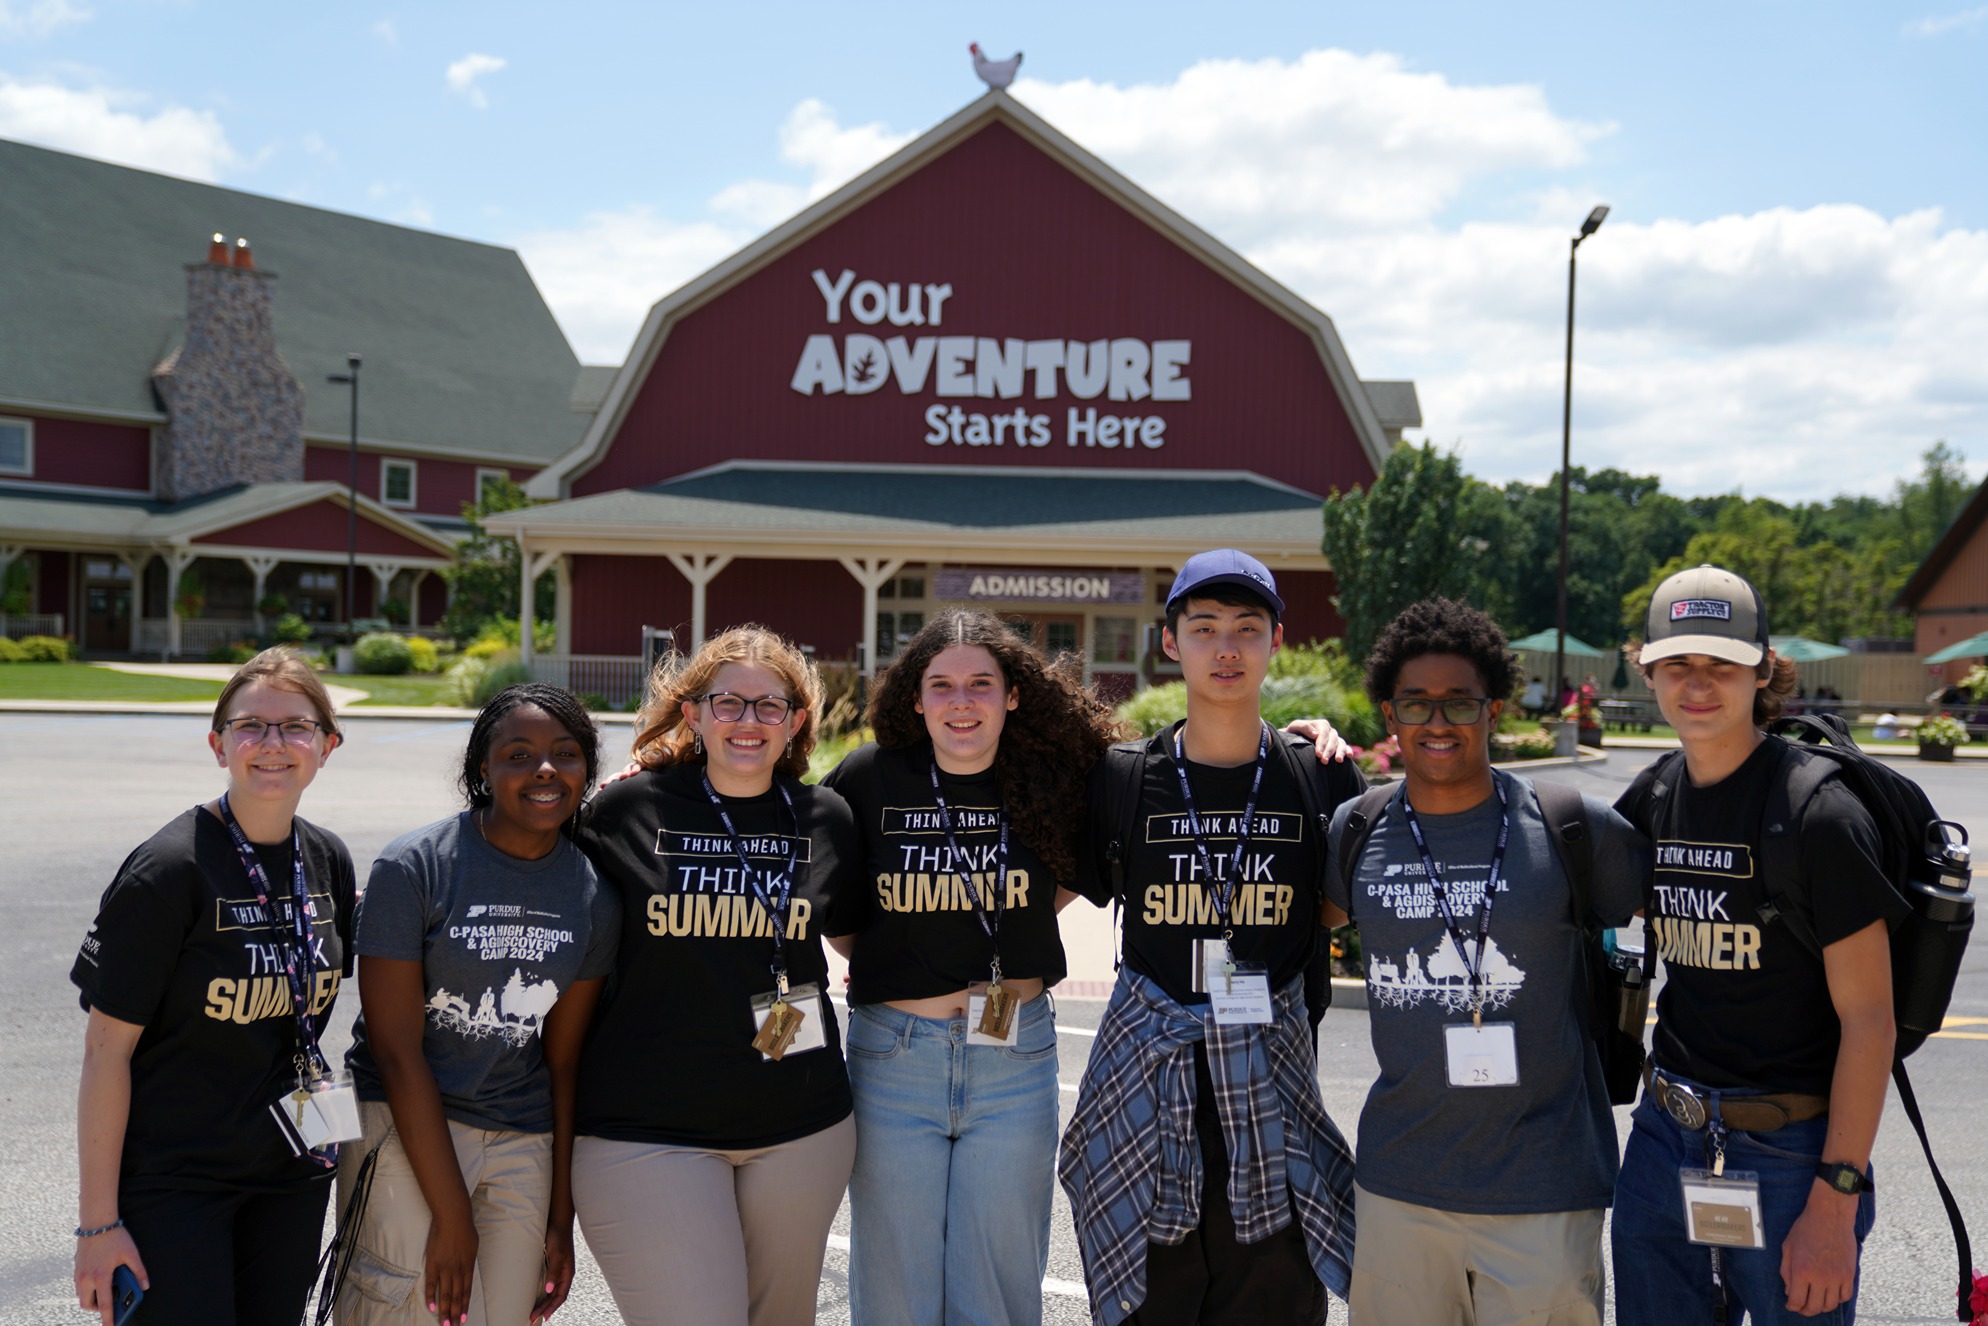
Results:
775 893
295 946
990 923
1224 887
1482 916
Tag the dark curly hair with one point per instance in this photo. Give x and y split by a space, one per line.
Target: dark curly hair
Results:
1057 731
1442 626
558 704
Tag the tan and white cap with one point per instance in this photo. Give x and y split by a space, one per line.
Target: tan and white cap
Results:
1706 611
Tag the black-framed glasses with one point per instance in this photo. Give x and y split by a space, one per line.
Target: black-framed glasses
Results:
1461 710
771 710
292 731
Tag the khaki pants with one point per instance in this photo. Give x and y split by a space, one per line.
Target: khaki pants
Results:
692 1237
1417 1266
509 1178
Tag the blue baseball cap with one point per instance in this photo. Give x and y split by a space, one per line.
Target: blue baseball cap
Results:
1224 566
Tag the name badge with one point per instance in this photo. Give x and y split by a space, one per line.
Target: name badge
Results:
1486 1056
976 1017
803 1001
1241 997
1722 1210
316 1116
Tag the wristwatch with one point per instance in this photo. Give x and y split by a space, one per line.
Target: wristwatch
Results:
1846 1179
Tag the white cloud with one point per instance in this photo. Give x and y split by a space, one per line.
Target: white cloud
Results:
116 125
1936 25
38 18
387 32
1797 352
462 77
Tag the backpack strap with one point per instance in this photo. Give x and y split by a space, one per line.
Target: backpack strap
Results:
1801 776
1125 769
1297 753
1360 823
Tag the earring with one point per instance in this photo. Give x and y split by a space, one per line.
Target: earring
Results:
483 788
696 743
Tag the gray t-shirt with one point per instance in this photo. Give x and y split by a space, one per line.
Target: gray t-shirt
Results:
1548 1143
498 939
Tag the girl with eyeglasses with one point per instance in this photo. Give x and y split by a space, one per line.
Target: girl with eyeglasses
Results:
968 802
210 969
715 1138
483 942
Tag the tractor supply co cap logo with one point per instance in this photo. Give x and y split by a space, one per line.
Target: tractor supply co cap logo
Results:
1685 609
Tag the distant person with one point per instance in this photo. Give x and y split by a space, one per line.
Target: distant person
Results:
468 1116
1567 696
208 974
1534 700
1487 1146
1770 1059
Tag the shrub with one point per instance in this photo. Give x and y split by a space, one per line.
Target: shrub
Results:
427 658
10 652
471 680
239 651
503 632
1314 694
46 649
502 673
291 629
383 654
1942 730
1535 744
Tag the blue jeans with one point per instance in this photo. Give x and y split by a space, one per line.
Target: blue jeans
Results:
955 1156
1661 1279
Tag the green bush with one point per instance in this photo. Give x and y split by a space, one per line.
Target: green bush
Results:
507 672
427 658
503 632
240 651
11 652
46 649
460 682
383 654
291 629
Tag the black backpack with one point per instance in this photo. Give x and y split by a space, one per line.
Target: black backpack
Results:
1925 859
1620 1051
1125 779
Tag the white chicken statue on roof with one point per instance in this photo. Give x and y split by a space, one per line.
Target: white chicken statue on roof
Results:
996 74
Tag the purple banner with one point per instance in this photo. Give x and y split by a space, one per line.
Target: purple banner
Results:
1011 584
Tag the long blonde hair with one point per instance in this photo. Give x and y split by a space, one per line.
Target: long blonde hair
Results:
661 735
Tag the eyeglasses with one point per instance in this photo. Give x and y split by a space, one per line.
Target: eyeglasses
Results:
771 710
294 731
1460 711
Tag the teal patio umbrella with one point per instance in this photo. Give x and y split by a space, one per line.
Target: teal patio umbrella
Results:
1800 649
1542 642
1975 646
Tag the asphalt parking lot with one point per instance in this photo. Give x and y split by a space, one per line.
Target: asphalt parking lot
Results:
77 792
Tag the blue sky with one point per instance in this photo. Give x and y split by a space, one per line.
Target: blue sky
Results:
1795 273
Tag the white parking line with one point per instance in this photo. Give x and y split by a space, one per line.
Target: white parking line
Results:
1050 1284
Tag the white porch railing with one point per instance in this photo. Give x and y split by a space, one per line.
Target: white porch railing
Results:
197 635
615 677
18 624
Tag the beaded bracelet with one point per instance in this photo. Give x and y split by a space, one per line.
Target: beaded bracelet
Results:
82 1233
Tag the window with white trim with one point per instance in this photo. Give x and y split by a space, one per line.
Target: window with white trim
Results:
17 446
397 482
485 477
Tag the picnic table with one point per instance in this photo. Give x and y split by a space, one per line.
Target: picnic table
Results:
1625 714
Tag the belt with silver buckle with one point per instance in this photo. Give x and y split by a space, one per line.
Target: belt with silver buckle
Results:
1690 1108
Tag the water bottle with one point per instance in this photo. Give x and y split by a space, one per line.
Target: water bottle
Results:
1928 945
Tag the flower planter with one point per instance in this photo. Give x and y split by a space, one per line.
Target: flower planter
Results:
1938 753
1591 736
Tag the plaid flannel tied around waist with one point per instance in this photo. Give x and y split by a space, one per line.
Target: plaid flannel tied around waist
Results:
1132 1165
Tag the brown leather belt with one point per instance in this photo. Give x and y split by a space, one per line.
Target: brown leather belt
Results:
1691 1108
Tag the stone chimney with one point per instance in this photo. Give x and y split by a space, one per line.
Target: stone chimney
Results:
234 410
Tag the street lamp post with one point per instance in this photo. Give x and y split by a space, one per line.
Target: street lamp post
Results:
1588 227
351 379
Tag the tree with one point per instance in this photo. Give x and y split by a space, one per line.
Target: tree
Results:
483 578
1416 532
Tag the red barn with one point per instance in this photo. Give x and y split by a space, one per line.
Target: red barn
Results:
991 370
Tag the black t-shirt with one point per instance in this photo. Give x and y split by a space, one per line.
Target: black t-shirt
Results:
670 1058
1744 1003
919 932
1168 903
181 947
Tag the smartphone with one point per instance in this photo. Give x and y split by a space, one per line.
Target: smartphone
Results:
125 1295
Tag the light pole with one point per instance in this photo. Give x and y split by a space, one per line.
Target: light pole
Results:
351 379
1588 227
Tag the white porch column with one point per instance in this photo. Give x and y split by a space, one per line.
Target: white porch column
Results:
176 562
700 569
531 566
137 562
8 552
870 573
562 605
414 596
260 567
383 574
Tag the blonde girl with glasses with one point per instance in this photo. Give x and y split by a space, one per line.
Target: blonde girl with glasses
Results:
715 1138
213 962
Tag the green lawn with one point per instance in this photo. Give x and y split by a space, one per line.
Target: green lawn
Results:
78 681
408 688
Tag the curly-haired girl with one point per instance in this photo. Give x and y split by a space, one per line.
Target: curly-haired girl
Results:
968 802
